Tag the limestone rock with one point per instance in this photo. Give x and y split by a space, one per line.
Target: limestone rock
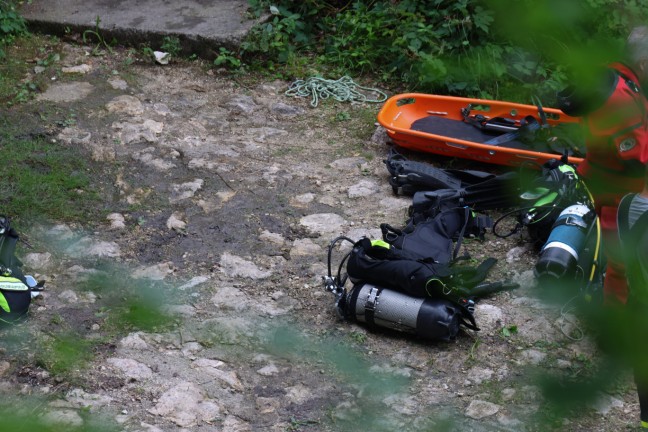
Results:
74 135
38 261
66 92
479 409
154 272
118 83
234 266
186 405
135 341
214 368
131 368
348 164
323 223
490 318
117 221
62 419
362 189
605 403
125 104
81 399
298 394
89 247
175 222
270 237
78 69
304 247
194 282
269 370
4 367
186 190
242 104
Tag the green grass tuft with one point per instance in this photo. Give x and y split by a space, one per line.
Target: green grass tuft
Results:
43 180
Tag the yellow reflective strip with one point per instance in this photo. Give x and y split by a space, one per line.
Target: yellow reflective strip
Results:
14 285
4 304
566 168
380 243
8 279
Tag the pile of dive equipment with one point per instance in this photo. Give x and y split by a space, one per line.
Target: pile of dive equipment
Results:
413 279
16 289
557 212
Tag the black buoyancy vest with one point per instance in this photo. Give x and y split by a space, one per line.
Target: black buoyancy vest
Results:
631 240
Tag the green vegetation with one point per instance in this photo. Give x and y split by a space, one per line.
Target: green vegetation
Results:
357 337
171 45
227 58
12 61
18 62
99 38
11 25
63 353
130 304
509 331
43 179
481 48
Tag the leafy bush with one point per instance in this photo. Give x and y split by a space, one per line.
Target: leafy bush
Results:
227 58
11 24
171 45
482 48
406 40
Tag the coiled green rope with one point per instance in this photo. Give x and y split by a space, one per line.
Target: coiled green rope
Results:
342 90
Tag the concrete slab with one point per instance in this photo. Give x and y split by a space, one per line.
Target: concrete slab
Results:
203 26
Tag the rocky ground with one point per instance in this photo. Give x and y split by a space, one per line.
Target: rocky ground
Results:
225 195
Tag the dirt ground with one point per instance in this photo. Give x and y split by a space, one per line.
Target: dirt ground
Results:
224 193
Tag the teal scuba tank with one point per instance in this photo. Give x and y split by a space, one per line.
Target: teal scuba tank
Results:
560 254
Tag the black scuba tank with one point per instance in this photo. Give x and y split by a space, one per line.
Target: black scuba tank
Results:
435 319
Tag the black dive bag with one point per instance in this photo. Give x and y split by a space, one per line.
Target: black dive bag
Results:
383 264
632 240
15 294
416 259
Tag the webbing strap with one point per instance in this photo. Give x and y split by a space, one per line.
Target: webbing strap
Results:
541 111
370 305
531 125
462 232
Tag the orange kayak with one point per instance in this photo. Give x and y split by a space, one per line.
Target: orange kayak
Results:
445 125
